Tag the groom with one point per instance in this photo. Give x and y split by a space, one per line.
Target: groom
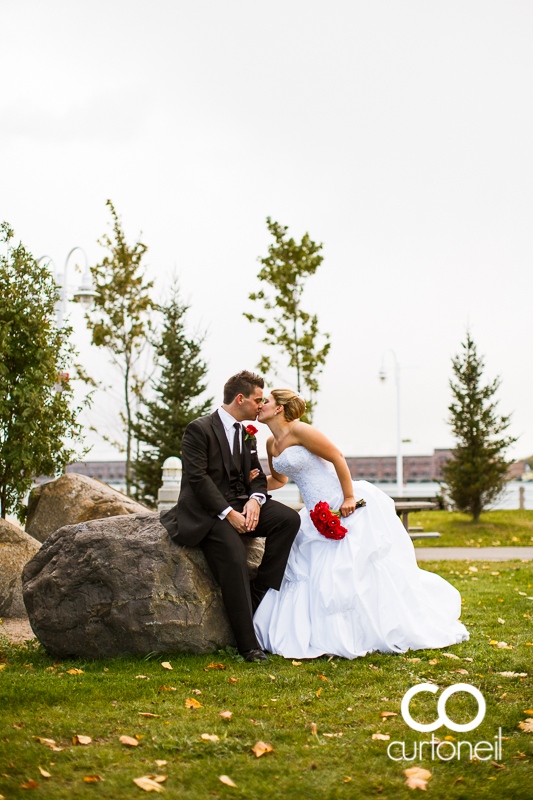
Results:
218 506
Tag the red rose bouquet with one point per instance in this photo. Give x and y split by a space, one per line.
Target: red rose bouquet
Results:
328 522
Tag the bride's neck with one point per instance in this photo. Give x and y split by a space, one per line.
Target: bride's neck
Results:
279 428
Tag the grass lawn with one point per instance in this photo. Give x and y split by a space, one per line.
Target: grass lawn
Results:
495 529
276 703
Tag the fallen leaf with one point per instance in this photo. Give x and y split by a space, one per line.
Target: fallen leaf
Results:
3 666
468 659
433 662
146 783
313 729
413 659
146 678
384 737
158 778
215 666
49 742
128 740
457 780
44 773
56 749
449 738
195 691
166 665
347 779
499 766
331 735
388 714
528 711
227 781
82 739
513 674
212 737
147 714
322 677
74 672
461 671
260 748
526 725
318 693
417 778
233 680
446 655
92 778
161 763
272 677
226 714
29 785
296 663
167 689
139 736
473 569
19 726
190 702
501 621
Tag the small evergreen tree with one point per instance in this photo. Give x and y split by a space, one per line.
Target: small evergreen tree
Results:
477 472
160 428
38 427
288 328
120 319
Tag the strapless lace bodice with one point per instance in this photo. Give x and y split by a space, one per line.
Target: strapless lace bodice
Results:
316 478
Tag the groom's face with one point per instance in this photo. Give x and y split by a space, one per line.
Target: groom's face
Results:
250 405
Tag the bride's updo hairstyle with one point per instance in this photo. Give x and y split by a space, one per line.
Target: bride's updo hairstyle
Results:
293 405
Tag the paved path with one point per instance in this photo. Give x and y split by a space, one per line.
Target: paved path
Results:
473 553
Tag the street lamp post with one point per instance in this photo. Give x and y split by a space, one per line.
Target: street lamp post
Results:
399 457
83 294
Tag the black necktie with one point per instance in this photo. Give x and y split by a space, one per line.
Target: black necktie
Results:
237 446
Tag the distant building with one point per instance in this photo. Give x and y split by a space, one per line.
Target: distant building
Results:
110 472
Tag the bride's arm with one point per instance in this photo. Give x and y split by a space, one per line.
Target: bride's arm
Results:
317 443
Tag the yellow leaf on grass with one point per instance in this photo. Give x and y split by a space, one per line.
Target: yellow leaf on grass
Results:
195 691
413 659
161 763
233 680
148 714
501 621
260 748
49 742
381 736
128 740
215 666
225 714
3 666
74 672
296 663
145 677
92 778
446 655
433 662
388 714
166 665
31 784
139 736
167 689
461 671
347 779
313 728
44 773
82 739
190 702
417 778
318 693
526 725
148 784
225 779
449 738
211 737
322 677
528 711
272 677
513 674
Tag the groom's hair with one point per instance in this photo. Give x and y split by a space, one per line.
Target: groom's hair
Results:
242 383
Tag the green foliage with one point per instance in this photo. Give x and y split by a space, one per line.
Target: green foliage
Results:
36 418
120 319
287 327
160 428
277 703
477 472
500 528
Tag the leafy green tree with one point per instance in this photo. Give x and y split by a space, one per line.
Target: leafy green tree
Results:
38 427
120 320
477 472
287 327
159 430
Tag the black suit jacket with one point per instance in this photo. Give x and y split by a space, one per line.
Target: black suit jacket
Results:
205 481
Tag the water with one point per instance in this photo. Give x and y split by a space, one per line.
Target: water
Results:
509 500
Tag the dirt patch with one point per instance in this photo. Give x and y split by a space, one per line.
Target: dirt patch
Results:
17 629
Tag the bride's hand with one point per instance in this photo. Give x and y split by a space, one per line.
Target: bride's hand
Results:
348 507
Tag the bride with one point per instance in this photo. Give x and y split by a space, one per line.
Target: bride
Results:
353 595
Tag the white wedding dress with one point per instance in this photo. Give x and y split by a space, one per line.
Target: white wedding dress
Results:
360 594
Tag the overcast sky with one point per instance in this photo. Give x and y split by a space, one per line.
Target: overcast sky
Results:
397 133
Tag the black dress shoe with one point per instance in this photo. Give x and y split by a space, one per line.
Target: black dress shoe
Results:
254 655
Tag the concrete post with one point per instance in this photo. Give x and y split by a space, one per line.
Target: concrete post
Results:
168 494
521 498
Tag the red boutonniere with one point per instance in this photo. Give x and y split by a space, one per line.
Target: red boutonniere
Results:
328 522
250 432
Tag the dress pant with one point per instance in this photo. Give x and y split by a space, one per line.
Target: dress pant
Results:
226 555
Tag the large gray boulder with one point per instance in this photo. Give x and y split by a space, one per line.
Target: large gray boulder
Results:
108 587
74 498
16 548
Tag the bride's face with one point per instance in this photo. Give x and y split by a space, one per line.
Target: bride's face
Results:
267 410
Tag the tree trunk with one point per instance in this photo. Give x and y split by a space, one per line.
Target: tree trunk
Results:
128 427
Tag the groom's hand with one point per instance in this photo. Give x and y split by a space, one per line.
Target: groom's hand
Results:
251 512
237 520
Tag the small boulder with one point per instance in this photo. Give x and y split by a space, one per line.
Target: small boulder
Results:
108 587
16 548
74 498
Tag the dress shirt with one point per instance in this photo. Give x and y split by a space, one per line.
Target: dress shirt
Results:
228 422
